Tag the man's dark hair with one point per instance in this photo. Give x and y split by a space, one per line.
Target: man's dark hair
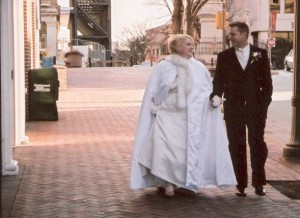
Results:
242 27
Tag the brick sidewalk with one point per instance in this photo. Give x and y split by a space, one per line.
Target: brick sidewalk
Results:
79 166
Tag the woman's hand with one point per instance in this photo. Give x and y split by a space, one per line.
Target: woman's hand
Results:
173 85
154 108
216 101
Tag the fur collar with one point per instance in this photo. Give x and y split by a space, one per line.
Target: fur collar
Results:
184 78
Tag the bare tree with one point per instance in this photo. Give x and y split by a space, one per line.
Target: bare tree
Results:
189 8
177 17
133 47
137 44
182 9
192 9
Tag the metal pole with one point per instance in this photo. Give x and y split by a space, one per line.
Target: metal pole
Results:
0 103
292 149
74 18
224 25
269 36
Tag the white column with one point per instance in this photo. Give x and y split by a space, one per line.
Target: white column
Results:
9 166
282 6
20 110
52 37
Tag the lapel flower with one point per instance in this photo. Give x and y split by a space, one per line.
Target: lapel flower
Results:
255 55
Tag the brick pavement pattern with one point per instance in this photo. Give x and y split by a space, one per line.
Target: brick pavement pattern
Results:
79 166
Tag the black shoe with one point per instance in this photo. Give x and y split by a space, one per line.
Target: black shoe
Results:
184 192
241 192
260 191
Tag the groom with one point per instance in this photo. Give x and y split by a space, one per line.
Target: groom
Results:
243 76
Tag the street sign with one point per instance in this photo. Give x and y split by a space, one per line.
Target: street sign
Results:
271 42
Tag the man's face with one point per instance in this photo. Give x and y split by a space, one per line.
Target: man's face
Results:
238 39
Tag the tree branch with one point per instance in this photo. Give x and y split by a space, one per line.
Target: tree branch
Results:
197 6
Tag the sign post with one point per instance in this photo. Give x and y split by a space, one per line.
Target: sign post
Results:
271 44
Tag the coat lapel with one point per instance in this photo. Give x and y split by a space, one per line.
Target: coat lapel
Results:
233 60
250 60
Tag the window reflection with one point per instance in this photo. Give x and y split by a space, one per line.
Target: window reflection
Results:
289 6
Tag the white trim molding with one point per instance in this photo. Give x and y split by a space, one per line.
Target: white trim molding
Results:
19 66
9 166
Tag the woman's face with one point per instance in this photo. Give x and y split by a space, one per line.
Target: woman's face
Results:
186 50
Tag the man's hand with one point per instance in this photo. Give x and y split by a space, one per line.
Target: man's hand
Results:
216 101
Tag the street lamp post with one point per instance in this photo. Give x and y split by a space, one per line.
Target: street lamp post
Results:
292 149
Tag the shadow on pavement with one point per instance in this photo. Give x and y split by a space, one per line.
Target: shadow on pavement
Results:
291 189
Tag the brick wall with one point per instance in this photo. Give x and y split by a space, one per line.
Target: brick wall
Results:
29 42
33 21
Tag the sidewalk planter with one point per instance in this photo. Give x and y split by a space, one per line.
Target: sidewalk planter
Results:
73 59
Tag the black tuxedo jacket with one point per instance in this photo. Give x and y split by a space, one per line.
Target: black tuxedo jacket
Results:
246 91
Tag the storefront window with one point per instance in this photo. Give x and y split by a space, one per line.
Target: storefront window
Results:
289 6
275 6
284 44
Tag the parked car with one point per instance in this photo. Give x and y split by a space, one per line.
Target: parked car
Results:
289 61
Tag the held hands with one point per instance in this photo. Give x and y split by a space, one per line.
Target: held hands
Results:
216 101
154 108
173 85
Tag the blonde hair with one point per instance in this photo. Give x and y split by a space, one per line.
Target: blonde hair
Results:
176 41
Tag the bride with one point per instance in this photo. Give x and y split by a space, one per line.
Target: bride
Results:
180 139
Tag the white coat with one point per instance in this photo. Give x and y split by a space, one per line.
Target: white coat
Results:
207 162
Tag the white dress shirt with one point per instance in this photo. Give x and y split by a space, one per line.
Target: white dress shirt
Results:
243 55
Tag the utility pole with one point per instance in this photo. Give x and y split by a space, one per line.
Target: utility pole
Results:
292 149
222 22
224 25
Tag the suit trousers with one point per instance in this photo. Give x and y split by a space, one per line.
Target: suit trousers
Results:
236 131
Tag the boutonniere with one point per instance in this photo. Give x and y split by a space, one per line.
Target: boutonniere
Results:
256 55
